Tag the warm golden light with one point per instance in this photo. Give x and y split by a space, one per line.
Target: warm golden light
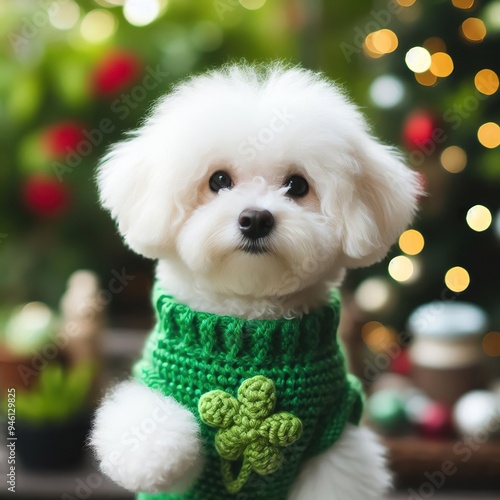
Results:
411 242
401 268
427 79
491 344
384 41
369 47
479 218
441 64
489 135
457 279
486 81
453 159
378 337
406 3
463 4
474 29
418 59
435 44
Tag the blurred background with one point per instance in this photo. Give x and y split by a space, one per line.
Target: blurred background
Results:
422 327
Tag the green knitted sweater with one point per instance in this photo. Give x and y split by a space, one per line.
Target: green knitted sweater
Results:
268 394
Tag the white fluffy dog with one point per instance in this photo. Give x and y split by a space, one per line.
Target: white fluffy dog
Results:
255 188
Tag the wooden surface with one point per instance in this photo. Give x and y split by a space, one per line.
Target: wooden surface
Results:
456 464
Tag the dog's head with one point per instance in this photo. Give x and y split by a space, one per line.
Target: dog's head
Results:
262 181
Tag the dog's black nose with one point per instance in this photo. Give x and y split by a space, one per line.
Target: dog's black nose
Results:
255 224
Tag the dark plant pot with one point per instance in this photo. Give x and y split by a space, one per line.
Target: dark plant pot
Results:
47 446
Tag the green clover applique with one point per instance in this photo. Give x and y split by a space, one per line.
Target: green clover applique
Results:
248 429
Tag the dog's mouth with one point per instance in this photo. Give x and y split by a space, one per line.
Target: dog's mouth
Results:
254 247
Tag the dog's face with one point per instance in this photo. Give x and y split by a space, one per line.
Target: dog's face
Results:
261 184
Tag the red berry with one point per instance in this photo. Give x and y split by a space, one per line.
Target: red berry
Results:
115 72
418 129
62 137
45 196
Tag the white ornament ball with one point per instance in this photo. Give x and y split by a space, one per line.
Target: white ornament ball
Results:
478 412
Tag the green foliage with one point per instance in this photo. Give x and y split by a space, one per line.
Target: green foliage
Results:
59 394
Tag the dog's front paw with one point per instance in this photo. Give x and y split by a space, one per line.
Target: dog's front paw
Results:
146 441
353 468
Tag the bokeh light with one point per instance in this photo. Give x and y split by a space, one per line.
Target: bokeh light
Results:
491 344
435 44
427 79
97 26
373 294
252 4
378 337
486 81
406 3
441 64
463 4
141 12
411 242
381 42
65 16
453 159
491 15
473 29
368 48
418 59
401 268
387 91
457 279
489 135
384 41
479 218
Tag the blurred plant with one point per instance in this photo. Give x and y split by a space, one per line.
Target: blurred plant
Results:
59 394
28 327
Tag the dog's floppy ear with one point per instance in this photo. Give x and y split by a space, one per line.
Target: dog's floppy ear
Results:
382 204
133 185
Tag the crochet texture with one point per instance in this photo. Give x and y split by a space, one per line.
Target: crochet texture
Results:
202 360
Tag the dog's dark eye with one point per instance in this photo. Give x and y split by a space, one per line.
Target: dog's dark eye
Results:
297 186
220 180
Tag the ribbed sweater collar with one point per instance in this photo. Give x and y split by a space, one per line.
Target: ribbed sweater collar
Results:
306 338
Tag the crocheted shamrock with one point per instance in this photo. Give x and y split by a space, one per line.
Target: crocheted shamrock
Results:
248 429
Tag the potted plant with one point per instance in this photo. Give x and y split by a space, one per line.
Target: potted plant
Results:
53 418
23 331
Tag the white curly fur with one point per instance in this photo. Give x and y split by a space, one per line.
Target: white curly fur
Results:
145 441
260 125
353 468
